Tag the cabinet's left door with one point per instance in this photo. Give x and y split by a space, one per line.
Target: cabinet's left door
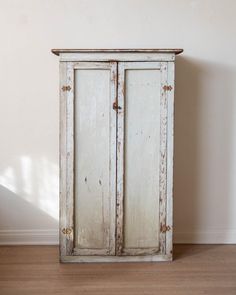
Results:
87 158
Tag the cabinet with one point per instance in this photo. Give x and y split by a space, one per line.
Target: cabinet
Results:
116 154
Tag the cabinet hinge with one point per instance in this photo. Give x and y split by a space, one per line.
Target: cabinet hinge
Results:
66 88
67 231
167 87
164 228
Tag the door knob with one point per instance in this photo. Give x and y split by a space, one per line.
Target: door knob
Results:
115 106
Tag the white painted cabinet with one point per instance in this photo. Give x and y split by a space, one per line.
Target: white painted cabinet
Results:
116 154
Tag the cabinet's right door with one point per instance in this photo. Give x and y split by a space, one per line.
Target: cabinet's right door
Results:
142 158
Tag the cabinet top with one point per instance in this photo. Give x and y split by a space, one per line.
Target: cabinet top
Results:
132 50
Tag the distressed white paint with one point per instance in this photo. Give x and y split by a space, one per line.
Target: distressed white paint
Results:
95 149
163 156
109 210
170 155
94 259
120 160
132 56
63 162
141 161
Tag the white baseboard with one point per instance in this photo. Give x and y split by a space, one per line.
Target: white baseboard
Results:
29 237
222 236
50 237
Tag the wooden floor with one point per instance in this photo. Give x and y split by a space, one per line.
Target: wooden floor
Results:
197 269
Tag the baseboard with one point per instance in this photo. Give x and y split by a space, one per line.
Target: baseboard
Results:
29 237
221 236
50 237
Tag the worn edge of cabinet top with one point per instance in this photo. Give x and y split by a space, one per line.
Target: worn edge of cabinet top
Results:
133 50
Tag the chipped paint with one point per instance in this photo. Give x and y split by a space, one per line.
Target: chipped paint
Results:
114 244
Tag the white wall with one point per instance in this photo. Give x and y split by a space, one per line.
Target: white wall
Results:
205 125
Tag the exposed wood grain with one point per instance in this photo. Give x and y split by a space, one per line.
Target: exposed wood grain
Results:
113 153
163 158
127 50
170 154
120 160
196 270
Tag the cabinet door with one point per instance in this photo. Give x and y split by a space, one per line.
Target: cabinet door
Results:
89 133
142 158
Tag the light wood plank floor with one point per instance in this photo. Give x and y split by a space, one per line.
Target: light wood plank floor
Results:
197 269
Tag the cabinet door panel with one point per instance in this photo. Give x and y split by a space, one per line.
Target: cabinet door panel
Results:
95 159
142 122
139 164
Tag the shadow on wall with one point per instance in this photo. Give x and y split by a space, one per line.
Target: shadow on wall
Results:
203 148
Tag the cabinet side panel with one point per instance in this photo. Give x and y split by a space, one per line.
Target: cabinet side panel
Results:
141 159
66 158
170 153
92 161
63 224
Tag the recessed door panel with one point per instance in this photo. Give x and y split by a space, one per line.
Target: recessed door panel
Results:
139 161
142 140
94 164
